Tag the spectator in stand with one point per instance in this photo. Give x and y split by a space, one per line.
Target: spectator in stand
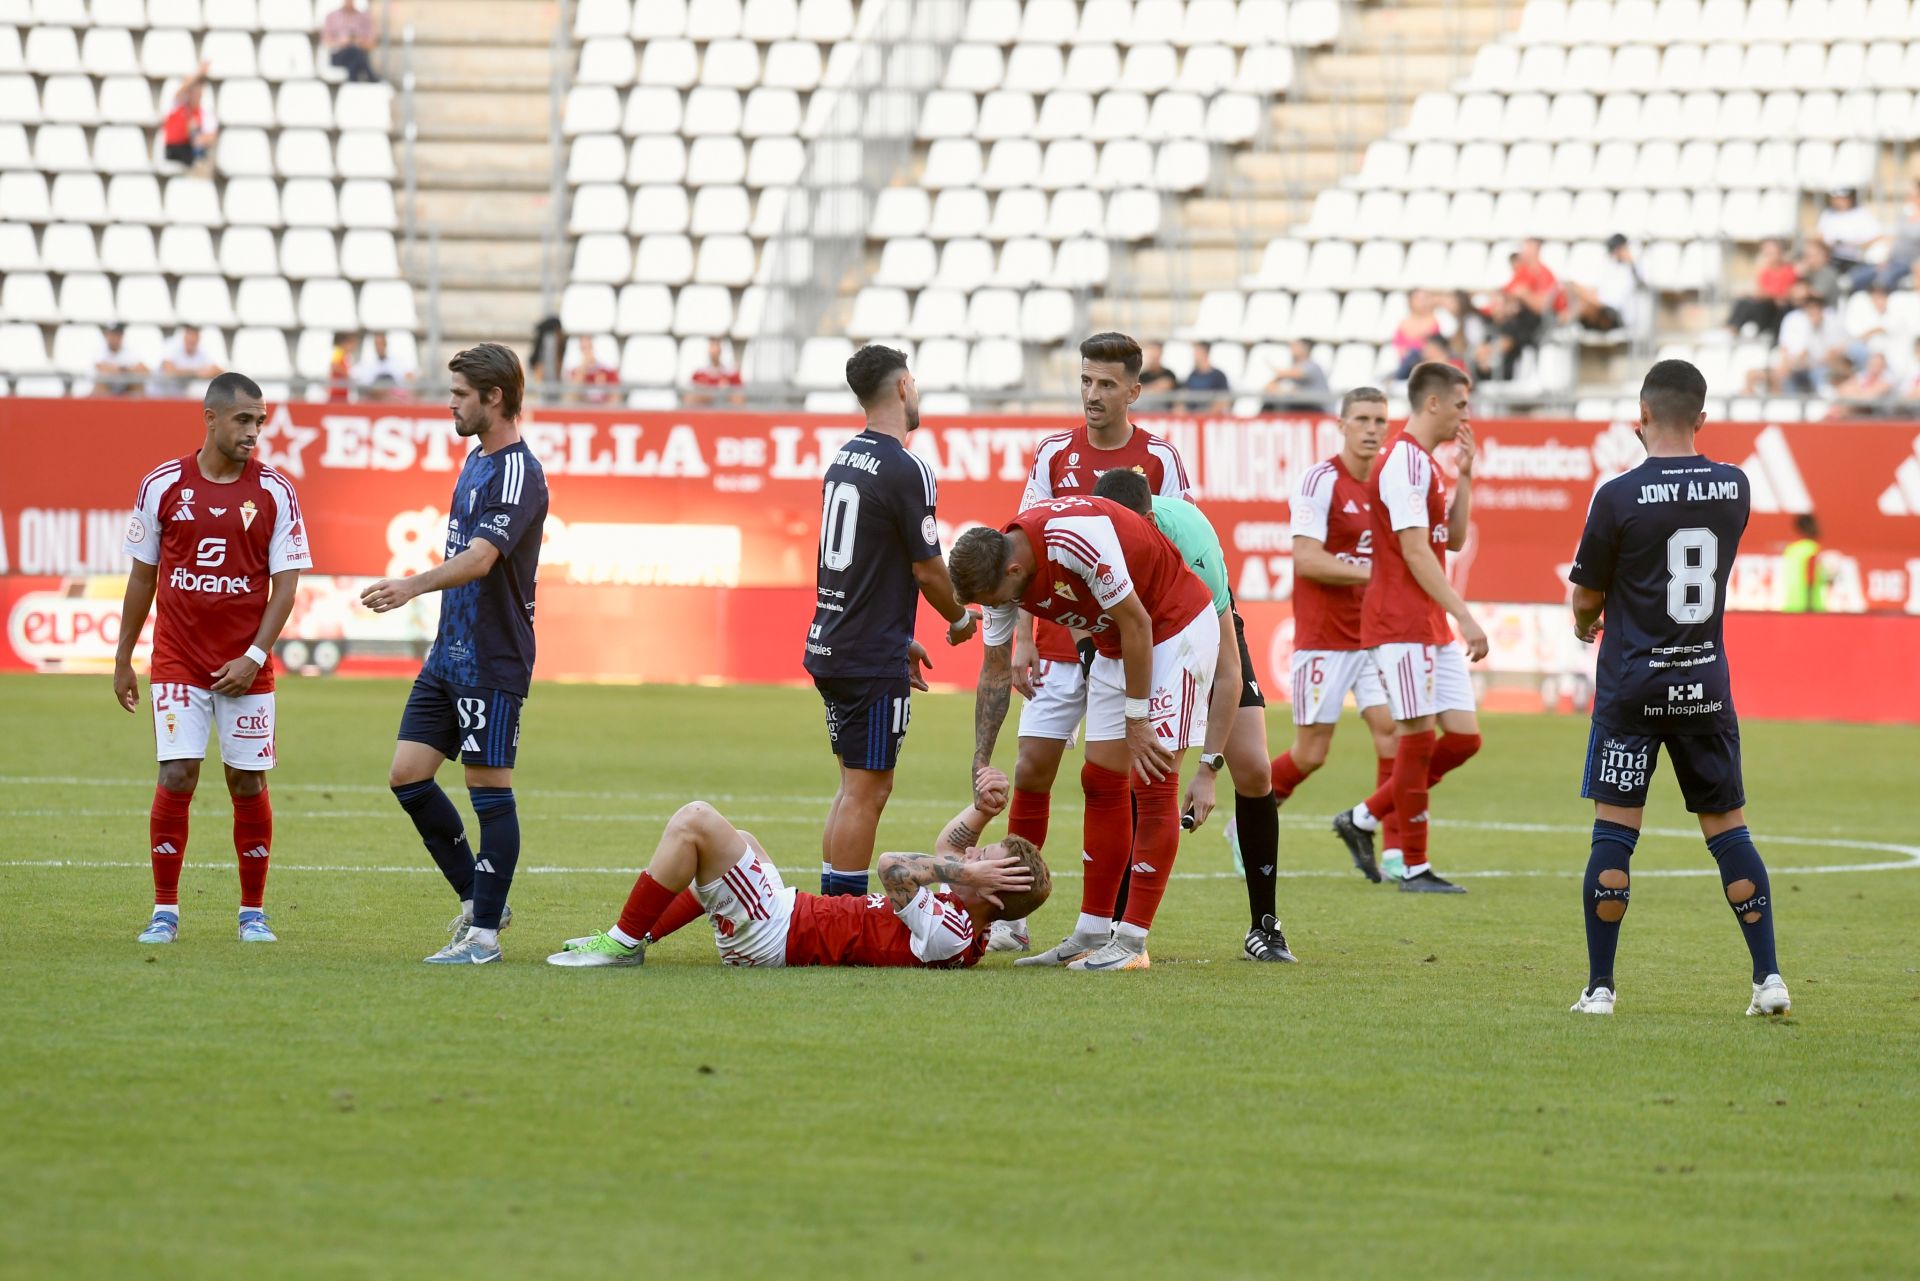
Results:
118 370
1416 329
1206 378
182 361
1436 349
1302 384
1873 324
1808 335
543 365
1903 249
593 376
346 349
187 132
348 35
1773 281
382 375
1465 325
1863 391
1155 378
1533 291
1614 302
716 373
1850 232
1817 269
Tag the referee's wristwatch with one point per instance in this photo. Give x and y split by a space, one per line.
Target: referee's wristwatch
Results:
1215 761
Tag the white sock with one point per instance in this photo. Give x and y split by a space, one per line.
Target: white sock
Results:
167 909
490 937
1421 870
466 908
1093 926
257 911
1131 933
1363 818
623 938
1392 856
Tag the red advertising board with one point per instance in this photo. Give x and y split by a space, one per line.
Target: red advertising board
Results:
681 545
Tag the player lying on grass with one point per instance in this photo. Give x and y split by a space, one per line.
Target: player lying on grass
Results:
937 910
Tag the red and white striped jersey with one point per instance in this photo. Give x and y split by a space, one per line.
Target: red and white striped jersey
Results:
217 546
1333 507
1067 464
1089 555
934 931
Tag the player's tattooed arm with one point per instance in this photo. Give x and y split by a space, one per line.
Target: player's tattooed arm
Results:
991 698
903 875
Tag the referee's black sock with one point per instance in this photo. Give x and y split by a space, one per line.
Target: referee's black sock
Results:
438 823
1258 821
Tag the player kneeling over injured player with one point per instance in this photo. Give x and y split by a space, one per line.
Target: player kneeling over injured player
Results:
937 910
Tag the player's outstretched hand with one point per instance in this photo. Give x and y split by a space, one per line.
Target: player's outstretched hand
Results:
1150 760
386 594
990 790
917 658
1026 665
235 676
961 632
1475 637
991 875
126 687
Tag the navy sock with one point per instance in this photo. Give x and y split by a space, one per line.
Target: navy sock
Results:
438 823
1257 819
1606 889
832 883
1740 862
499 853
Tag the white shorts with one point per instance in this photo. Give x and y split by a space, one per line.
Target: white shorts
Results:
1057 706
1452 682
1322 679
750 909
182 715
1424 679
1182 682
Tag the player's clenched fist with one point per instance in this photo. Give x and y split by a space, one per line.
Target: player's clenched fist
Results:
990 790
387 594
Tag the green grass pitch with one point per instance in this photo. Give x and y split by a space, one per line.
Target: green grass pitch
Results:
1413 1100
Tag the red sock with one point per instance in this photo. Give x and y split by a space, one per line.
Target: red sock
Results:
1450 753
645 905
1286 777
167 834
1156 843
1029 814
1391 834
1106 838
1410 771
684 908
253 842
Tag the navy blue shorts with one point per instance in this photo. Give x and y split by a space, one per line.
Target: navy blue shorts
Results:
465 722
1707 767
866 718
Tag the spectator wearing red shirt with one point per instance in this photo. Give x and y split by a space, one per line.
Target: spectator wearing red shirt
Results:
184 131
1530 294
593 376
1773 281
716 373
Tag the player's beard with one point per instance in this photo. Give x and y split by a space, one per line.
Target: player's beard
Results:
913 419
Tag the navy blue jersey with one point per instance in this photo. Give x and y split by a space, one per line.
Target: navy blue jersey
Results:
876 520
1660 542
486 626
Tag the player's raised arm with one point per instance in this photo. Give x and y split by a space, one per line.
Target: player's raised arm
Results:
470 565
990 791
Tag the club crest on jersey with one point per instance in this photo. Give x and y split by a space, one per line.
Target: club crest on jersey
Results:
1061 589
247 512
1073 459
